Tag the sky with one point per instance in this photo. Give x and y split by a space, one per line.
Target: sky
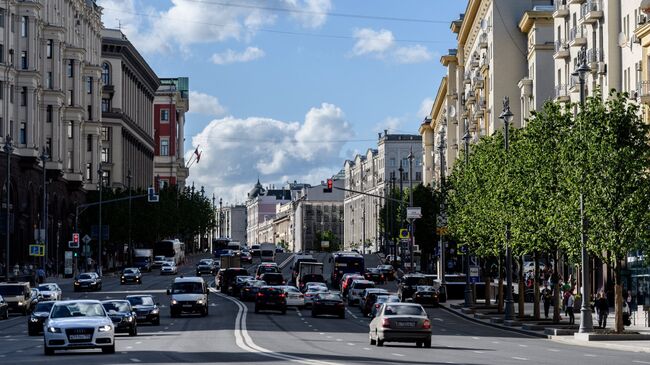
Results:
287 90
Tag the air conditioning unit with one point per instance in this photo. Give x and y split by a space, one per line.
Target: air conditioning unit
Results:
602 68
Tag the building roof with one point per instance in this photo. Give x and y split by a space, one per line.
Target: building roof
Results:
256 191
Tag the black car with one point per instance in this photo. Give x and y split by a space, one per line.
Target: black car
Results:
245 256
374 274
39 315
206 266
408 284
271 298
250 289
328 303
146 309
122 315
88 281
273 278
131 275
4 308
426 294
228 278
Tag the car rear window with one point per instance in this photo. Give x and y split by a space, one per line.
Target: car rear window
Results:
404 310
414 280
363 285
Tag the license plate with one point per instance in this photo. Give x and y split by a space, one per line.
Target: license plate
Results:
405 324
142 317
80 337
187 306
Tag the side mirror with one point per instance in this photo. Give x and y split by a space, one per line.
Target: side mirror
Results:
169 291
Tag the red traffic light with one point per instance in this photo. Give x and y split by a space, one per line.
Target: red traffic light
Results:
329 184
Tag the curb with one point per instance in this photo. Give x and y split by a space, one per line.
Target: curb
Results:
504 328
599 344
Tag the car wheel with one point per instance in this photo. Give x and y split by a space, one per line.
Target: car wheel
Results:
257 310
47 350
284 311
418 344
342 316
427 343
133 331
108 350
205 312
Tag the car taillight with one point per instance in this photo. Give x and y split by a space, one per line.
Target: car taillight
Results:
282 295
377 306
339 304
260 294
381 276
385 323
426 324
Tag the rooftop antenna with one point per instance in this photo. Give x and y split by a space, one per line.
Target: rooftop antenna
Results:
119 23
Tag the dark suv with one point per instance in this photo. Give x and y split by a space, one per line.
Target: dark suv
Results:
228 278
271 298
206 266
408 285
273 278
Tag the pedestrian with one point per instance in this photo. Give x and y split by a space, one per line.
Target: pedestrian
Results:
41 275
569 308
602 309
547 297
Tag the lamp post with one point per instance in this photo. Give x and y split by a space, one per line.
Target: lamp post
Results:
401 192
441 244
9 149
468 287
100 172
128 178
410 157
44 158
507 117
586 320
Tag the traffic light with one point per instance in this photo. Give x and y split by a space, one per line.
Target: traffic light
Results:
330 184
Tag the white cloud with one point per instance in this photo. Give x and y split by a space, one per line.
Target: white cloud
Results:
310 13
412 54
236 151
372 42
425 108
205 104
230 56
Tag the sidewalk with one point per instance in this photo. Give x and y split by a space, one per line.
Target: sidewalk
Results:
561 332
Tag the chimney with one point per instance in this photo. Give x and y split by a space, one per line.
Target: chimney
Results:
385 132
379 135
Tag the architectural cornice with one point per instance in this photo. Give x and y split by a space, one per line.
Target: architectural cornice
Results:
531 17
123 49
438 102
468 20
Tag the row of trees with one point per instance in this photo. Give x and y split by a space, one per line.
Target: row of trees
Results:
601 151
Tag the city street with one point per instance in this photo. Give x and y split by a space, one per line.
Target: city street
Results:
234 334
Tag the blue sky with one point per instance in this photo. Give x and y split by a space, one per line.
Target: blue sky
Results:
288 89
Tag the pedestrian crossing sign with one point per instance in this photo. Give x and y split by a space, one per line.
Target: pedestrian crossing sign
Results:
36 250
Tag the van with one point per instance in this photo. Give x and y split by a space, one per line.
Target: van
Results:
188 295
17 295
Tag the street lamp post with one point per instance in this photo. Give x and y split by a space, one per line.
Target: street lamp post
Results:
468 287
586 320
99 229
128 178
9 149
412 231
44 158
401 192
507 117
441 244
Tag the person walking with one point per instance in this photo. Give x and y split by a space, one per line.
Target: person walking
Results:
547 297
602 309
569 308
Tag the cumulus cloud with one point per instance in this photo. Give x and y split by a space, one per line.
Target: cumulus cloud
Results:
236 151
369 41
310 13
230 56
205 104
412 54
425 107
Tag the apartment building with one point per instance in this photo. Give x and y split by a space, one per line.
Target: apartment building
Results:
231 223
371 173
127 132
170 105
261 207
49 115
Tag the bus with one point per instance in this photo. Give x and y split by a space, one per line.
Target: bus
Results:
345 263
173 250
219 245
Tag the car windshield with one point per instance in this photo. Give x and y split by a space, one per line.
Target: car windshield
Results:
330 296
129 271
425 288
387 299
167 264
116 307
267 268
78 309
8 290
140 300
358 286
159 258
317 289
46 287
205 262
187 288
404 310
44 307
85 276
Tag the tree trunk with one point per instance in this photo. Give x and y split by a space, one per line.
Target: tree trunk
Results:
556 291
619 326
536 313
522 289
488 291
500 292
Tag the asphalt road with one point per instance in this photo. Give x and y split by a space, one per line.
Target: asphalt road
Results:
233 334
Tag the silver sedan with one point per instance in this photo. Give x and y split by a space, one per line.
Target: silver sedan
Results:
401 322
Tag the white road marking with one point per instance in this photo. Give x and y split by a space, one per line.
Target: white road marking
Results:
367 348
135 360
322 333
400 355
479 352
556 350
329 336
138 342
475 338
19 350
640 362
339 340
438 319
496 342
350 344
590 355
523 345
520 358
166 328
129 347
443 330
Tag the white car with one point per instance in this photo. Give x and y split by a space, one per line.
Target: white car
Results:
294 296
168 267
50 291
78 324
158 261
312 292
314 284
356 289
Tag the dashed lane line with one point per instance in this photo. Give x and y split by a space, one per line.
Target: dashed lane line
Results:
520 358
135 360
396 354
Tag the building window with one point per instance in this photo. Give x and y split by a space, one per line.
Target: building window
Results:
69 129
106 134
418 176
24 25
23 96
2 53
106 154
89 85
2 90
106 179
70 97
89 109
48 80
22 135
106 105
392 162
69 160
89 172
89 143
3 13
2 127
70 68
12 22
49 114
48 49
48 145
164 147
106 74
164 115
11 94
23 60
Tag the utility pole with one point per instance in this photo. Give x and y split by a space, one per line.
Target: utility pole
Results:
411 221
220 217
99 236
9 149
401 193
441 244
129 177
43 240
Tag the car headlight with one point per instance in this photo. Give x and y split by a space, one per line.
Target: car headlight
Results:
129 319
105 328
155 311
200 301
76 283
174 302
33 320
122 276
53 329
20 303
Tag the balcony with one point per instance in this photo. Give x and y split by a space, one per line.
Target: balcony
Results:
591 11
569 2
644 92
475 62
478 82
562 93
561 9
561 50
483 41
594 56
574 84
577 37
471 98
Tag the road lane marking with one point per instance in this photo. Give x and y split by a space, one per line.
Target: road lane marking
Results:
350 344
400 355
556 350
475 338
339 340
479 352
590 355
135 360
640 362
496 342
438 319
520 358
322 333
367 348
523 345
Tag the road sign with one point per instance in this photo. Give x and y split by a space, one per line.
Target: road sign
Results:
86 239
36 250
67 269
73 244
413 213
442 231
152 197
473 274
404 233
